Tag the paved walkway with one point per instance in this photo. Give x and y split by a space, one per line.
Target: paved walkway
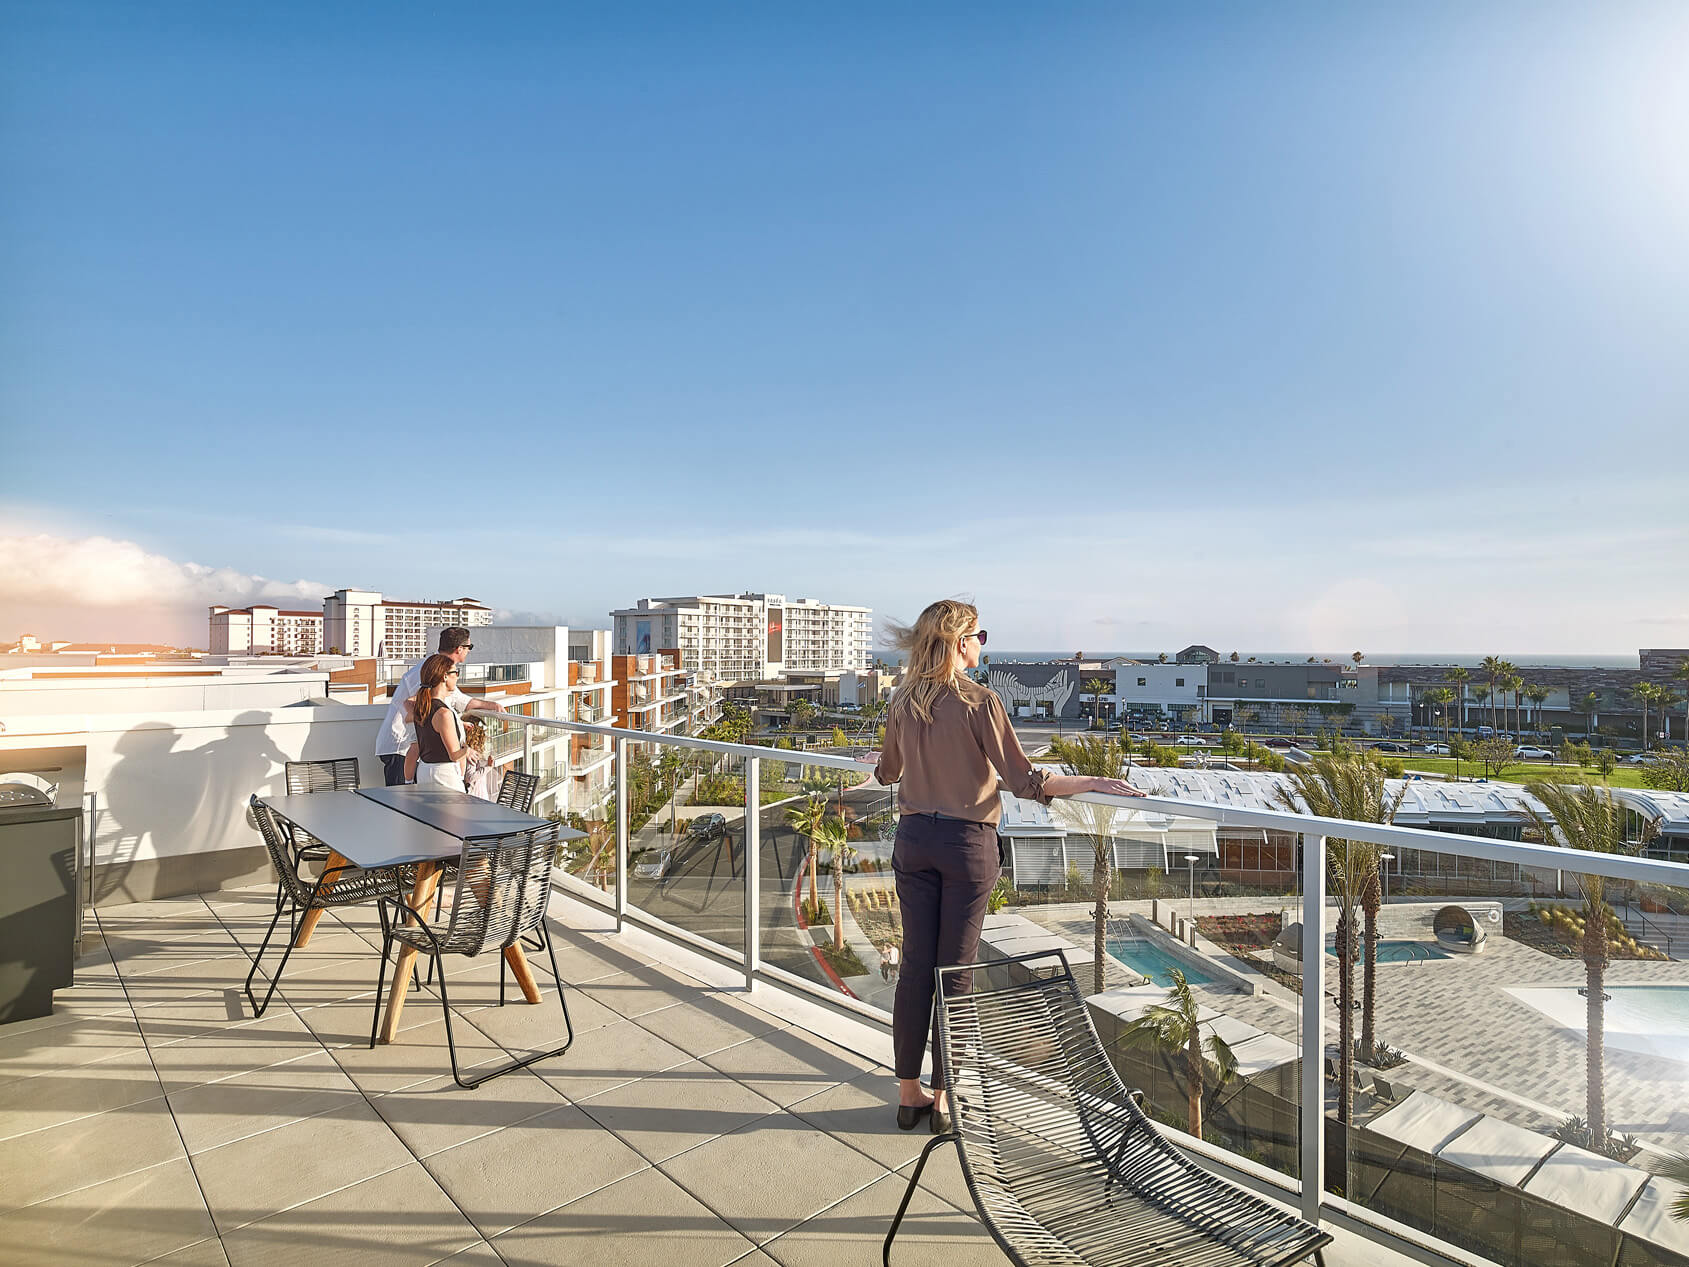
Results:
151 1119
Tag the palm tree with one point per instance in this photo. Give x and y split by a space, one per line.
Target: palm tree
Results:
805 819
1538 695
833 833
1647 693
1458 677
1676 1168
1440 697
1348 785
1097 688
1492 667
1590 704
1357 657
1580 816
1093 755
1174 1025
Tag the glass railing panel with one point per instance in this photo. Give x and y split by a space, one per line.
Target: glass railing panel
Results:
585 798
686 840
1483 1114
827 832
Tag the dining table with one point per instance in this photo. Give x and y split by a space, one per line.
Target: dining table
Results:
421 827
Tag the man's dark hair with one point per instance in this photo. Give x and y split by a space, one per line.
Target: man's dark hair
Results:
452 637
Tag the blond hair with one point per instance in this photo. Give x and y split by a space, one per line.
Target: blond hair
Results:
931 644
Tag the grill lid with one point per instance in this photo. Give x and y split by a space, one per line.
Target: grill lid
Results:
13 795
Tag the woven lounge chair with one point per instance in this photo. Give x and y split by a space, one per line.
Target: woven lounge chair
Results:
501 889
1063 1165
336 886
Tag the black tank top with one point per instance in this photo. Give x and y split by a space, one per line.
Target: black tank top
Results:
431 748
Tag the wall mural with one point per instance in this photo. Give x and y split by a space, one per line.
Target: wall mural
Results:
1014 689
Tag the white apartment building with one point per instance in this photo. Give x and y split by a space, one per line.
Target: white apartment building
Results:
362 623
747 637
265 630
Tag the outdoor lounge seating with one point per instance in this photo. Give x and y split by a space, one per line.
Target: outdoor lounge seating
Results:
336 886
1062 1164
333 774
516 790
501 889
1457 929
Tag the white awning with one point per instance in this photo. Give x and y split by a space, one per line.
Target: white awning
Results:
1650 1218
1587 1182
1498 1150
1423 1121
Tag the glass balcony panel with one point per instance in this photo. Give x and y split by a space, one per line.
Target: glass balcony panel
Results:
809 813
686 839
1471 1116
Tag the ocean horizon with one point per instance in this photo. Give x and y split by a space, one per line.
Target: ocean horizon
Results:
1573 660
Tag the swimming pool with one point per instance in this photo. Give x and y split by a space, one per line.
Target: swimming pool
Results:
1650 1019
1144 957
1398 951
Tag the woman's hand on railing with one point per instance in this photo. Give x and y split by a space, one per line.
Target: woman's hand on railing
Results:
1074 784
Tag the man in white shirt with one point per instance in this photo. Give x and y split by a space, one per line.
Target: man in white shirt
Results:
396 745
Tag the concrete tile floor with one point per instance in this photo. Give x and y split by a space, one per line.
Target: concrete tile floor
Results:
152 1119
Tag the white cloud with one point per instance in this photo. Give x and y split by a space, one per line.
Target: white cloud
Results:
54 571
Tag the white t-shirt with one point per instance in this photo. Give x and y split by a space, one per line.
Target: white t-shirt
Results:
397 734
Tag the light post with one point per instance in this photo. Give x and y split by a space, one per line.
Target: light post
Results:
1191 858
1384 873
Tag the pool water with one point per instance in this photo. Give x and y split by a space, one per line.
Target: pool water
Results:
1398 951
1138 954
1650 1019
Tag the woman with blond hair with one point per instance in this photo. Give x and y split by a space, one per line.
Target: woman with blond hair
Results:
440 740
948 742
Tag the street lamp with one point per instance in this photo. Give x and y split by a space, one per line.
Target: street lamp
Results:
1384 873
1191 858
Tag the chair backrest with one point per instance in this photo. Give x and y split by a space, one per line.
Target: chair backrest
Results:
338 774
517 790
1023 1062
503 885
275 831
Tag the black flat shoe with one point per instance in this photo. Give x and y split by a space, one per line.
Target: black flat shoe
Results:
909 1115
940 1123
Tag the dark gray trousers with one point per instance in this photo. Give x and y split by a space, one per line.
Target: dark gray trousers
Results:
945 871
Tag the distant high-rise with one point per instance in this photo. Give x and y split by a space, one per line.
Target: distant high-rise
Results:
747 637
362 623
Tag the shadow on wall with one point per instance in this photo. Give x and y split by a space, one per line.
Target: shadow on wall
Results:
174 819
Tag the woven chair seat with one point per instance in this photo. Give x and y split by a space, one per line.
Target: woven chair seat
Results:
1063 1166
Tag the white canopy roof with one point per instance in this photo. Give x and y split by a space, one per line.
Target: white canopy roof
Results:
1502 1151
1650 1218
1256 1050
1423 1121
1587 1182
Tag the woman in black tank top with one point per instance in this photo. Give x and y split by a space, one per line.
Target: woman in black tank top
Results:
440 742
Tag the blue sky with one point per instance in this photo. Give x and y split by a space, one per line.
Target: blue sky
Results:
1272 326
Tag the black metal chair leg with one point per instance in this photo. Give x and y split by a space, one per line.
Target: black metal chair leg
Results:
258 1009
451 1046
253 971
909 1192
501 966
381 977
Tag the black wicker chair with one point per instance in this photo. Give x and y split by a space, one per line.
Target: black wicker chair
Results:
336 886
336 774
1062 1164
516 790
502 887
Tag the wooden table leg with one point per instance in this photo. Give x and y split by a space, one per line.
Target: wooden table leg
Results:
422 892
308 921
523 973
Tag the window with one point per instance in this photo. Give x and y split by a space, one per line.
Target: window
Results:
1143 681
1178 681
1261 683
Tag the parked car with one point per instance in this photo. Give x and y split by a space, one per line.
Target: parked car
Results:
1436 749
1193 741
1389 745
1278 743
653 866
1530 752
707 827
1640 758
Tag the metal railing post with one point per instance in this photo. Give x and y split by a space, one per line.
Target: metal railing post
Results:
621 832
1313 1025
527 748
753 868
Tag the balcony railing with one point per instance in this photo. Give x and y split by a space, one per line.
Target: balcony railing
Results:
1487 1047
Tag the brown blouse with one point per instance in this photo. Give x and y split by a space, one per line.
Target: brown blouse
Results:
951 765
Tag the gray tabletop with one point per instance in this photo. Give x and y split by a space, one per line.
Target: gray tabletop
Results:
458 813
363 831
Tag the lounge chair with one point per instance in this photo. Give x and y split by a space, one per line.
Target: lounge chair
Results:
1062 1164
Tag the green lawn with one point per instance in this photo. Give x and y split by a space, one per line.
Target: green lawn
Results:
1524 771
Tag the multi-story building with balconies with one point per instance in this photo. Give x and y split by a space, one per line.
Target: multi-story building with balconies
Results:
747 637
265 630
362 623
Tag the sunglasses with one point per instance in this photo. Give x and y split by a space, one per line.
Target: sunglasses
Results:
980 634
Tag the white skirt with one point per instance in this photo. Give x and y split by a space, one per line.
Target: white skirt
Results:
446 775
